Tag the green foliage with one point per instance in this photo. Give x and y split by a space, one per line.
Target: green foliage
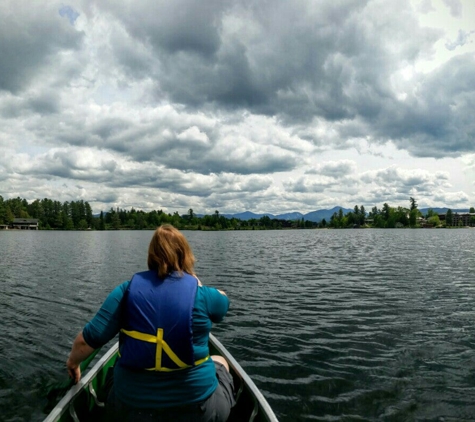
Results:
3 211
82 225
374 212
413 214
449 217
102 223
50 214
386 211
78 215
434 220
115 219
362 215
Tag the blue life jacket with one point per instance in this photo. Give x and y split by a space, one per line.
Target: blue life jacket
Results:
157 315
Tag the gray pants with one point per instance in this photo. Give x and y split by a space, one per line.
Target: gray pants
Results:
215 408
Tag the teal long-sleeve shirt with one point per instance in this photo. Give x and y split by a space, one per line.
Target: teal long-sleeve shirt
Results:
150 389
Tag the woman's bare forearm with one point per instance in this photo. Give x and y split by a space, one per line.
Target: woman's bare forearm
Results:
80 351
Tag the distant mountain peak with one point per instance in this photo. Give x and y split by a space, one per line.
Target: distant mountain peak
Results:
314 216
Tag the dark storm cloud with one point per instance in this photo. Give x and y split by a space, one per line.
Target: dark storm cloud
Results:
175 39
262 56
93 166
226 187
148 178
47 102
30 36
173 27
133 57
230 161
438 121
298 61
292 60
176 143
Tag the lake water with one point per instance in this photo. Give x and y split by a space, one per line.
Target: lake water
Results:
332 325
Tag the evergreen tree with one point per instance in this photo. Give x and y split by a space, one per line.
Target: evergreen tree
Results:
3 211
374 212
449 217
141 221
9 216
362 215
413 217
88 214
82 225
17 208
334 220
386 211
102 224
115 219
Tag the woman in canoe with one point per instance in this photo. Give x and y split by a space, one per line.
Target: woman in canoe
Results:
163 317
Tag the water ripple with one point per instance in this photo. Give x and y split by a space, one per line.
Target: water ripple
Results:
333 325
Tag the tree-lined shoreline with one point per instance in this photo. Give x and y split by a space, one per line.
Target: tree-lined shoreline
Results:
77 215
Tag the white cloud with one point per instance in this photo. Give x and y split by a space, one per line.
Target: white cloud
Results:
463 38
336 169
455 7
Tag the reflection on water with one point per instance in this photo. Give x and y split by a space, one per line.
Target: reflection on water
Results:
331 324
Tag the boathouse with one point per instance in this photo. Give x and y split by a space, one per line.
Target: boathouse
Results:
25 224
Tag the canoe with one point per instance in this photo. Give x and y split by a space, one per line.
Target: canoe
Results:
85 400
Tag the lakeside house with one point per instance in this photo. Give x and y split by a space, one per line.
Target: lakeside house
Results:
463 219
458 219
24 224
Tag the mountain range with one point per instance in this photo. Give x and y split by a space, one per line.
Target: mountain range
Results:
317 216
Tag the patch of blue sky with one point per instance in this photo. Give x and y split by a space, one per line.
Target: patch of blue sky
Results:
33 150
70 13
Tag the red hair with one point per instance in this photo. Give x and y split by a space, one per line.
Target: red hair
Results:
169 251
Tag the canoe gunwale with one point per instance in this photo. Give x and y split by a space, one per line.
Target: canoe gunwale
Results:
255 392
64 404
261 406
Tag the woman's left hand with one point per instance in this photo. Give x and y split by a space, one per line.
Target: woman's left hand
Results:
74 371
80 351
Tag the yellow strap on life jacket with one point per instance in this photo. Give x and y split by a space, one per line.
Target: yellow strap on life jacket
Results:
162 346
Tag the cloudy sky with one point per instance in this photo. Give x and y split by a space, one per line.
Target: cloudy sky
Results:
260 105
